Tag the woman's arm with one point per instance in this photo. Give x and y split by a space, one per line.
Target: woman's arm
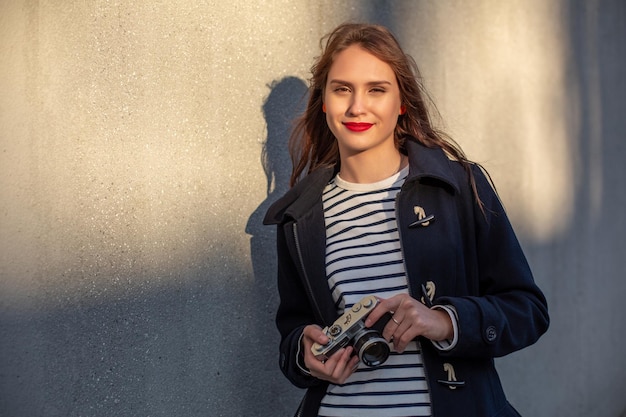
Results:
510 312
293 315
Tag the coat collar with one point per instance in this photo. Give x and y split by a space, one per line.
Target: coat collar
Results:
432 163
424 163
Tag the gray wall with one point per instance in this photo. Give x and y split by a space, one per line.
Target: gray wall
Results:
141 142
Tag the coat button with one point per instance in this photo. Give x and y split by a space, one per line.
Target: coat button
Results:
491 334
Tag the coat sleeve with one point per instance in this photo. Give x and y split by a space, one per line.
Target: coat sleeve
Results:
509 312
294 313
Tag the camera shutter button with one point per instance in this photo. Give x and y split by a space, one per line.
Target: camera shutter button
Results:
356 307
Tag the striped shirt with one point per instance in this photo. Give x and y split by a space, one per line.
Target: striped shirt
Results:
363 256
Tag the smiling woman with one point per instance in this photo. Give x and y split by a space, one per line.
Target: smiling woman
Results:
362 102
391 209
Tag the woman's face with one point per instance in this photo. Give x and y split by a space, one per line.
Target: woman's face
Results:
362 100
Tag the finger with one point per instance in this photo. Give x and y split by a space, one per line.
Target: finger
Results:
350 368
312 334
392 326
342 360
388 330
315 334
334 369
402 336
376 313
322 369
346 365
313 363
384 306
406 331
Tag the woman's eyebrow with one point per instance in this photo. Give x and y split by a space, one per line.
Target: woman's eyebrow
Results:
369 83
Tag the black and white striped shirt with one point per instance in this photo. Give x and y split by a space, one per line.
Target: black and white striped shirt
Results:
363 256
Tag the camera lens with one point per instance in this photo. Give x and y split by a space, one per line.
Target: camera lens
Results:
372 349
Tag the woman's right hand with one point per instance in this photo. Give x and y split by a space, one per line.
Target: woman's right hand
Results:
337 368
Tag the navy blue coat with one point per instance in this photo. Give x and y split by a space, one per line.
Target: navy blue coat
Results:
471 255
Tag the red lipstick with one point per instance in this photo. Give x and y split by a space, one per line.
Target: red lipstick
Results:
358 126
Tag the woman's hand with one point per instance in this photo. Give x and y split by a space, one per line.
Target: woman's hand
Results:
410 318
337 368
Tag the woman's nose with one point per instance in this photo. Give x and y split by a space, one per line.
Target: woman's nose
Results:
357 105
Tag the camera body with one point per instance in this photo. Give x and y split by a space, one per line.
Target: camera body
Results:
350 328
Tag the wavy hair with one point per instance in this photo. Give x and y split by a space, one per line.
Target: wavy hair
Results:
312 144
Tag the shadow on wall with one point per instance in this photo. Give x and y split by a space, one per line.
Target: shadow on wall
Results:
284 103
205 347
287 99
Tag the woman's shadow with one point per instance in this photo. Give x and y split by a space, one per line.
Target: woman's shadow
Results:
285 102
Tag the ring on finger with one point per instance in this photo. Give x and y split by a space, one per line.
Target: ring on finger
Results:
395 321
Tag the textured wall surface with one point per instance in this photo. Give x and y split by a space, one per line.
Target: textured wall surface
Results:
142 141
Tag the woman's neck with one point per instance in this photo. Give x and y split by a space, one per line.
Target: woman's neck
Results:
367 168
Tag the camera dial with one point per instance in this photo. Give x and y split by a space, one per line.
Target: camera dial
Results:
335 330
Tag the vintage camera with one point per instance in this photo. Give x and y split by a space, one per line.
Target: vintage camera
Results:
350 328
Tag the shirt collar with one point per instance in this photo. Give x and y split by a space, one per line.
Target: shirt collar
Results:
424 163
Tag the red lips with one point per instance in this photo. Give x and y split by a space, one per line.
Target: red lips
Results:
358 126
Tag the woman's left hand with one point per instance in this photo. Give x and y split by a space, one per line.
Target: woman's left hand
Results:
410 318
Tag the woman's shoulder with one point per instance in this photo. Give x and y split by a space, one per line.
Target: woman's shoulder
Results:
299 198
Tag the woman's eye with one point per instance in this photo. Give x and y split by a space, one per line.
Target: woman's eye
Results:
377 90
342 89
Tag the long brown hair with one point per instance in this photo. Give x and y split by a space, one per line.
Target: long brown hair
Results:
312 145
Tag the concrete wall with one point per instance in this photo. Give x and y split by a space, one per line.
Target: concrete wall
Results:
141 142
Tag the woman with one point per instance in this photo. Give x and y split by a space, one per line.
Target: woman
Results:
382 204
